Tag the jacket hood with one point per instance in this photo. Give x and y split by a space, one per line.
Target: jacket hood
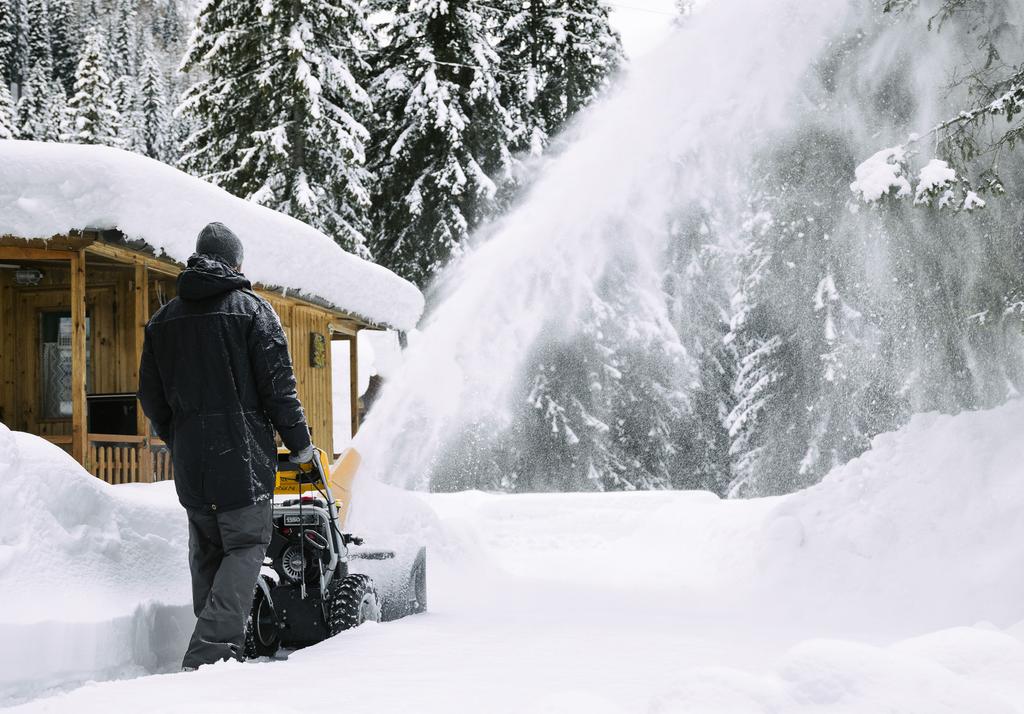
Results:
207 276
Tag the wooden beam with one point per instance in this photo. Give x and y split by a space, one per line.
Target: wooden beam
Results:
116 438
73 241
20 253
134 257
353 380
64 247
140 318
345 321
79 435
8 352
342 329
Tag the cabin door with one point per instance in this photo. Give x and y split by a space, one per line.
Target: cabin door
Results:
44 368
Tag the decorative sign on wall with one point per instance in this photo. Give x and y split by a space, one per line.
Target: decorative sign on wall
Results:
317 350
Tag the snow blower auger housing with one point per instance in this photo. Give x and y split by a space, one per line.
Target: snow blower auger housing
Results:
305 592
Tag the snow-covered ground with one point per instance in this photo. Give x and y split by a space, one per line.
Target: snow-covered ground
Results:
893 586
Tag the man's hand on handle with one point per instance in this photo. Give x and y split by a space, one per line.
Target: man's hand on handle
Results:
303 457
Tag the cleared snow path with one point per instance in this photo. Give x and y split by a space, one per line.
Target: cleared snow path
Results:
579 626
864 594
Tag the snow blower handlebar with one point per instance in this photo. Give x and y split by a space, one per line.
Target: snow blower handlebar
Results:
298 478
294 478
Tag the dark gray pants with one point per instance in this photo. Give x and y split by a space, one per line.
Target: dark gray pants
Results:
225 552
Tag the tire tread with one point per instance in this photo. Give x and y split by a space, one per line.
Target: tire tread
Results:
346 597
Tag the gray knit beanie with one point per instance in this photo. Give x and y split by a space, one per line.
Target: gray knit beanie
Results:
218 240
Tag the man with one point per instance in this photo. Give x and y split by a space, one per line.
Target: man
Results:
216 381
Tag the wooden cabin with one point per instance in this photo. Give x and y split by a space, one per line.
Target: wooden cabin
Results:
73 308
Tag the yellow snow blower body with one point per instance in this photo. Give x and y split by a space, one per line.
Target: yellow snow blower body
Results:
340 478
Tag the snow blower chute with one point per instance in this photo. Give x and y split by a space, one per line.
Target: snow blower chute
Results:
306 591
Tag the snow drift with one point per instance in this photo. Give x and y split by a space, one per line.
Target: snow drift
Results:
925 528
93 578
50 189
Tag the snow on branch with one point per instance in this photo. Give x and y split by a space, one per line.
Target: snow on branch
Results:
884 174
935 181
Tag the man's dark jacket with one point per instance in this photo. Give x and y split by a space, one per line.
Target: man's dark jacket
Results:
216 380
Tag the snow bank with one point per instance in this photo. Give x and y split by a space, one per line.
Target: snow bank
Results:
927 527
50 189
93 578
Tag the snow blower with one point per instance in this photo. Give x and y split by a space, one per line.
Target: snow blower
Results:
306 591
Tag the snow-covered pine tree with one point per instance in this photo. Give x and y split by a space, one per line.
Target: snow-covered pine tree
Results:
697 294
279 109
601 409
182 126
441 148
94 114
21 55
59 111
560 427
811 365
169 28
834 434
8 116
592 54
94 12
124 43
598 404
152 117
37 119
647 403
125 100
40 48
974 138
531 37
702 436
64 39
7 43
761 376
556 56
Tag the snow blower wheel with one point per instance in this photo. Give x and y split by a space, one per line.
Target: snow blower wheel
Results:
418 578
261 634
353 601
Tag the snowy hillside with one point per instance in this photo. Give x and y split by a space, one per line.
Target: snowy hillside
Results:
894 585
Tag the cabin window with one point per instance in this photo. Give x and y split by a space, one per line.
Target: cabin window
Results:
55 363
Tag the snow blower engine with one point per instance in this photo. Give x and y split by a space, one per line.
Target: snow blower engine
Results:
306 591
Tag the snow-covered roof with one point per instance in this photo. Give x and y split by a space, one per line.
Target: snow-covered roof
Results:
50 189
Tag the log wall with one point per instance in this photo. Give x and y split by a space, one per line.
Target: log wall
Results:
314 383
112 303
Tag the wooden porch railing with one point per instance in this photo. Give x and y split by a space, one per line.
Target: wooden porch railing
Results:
163 470
121 458
114 463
